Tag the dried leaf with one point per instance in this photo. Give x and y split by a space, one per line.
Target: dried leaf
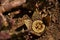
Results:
28 23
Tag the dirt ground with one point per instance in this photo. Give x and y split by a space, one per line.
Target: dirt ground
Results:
14 13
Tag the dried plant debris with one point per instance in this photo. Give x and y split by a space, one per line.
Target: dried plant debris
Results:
29 20
28 23
4 35
3 20
37 27
36 15
11 5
